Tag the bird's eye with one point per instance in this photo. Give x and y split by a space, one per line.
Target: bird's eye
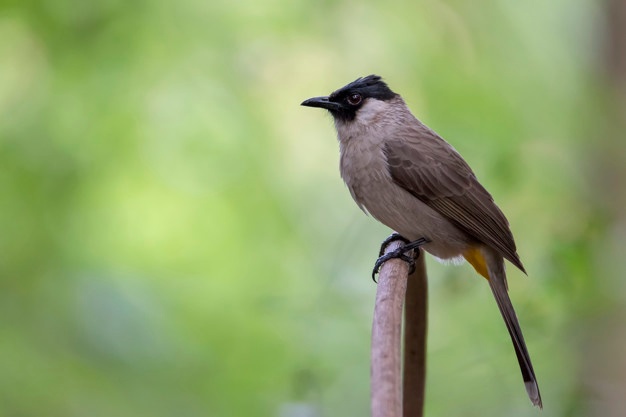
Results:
354 99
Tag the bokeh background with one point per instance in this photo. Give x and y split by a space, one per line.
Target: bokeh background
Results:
175 239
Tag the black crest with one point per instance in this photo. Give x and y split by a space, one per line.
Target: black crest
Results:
371 86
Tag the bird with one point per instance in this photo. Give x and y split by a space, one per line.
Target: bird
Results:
409 178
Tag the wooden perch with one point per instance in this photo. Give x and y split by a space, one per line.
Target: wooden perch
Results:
386 377
415 330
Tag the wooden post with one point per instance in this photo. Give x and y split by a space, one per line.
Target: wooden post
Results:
386 376
415 330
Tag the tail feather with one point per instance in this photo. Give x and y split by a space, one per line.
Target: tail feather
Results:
497 282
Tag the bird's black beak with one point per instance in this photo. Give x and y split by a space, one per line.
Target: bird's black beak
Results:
322 102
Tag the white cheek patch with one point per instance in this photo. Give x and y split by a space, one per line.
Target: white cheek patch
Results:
369 127
371 111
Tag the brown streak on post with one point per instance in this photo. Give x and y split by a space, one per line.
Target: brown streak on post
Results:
415 330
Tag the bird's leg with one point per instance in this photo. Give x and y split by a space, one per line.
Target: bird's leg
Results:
398 253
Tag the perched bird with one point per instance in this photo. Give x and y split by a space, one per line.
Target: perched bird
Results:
407 177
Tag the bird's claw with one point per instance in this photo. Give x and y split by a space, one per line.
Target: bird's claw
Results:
392 255
399 253
391 238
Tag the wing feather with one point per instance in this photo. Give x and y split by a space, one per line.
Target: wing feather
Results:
432 170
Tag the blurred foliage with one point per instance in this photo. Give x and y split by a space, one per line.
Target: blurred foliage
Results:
176 239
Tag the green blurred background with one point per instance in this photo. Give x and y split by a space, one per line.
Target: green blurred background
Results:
175 239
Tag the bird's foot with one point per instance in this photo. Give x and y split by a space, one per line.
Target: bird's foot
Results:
392 238
399 253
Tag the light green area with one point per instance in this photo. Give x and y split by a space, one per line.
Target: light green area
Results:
175 239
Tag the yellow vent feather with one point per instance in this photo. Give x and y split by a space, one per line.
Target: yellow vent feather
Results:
475 257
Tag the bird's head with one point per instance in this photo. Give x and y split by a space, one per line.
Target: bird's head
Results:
344 104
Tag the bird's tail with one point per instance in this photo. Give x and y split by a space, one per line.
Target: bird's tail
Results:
497 282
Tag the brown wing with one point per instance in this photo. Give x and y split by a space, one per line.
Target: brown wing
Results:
431 170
